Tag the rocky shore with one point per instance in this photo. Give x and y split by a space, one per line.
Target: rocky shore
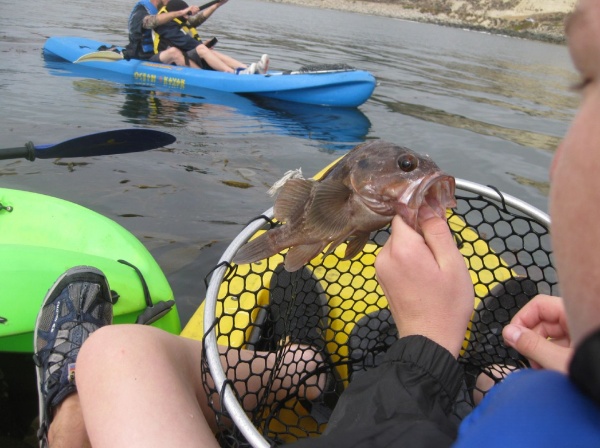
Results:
530 19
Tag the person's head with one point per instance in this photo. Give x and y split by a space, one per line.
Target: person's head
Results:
176 5
575 181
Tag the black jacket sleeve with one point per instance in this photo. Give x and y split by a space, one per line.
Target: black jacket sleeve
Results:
408 400
584 369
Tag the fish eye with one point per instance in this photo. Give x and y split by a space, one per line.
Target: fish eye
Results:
408 163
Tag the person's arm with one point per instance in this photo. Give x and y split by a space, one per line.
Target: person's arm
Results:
410 398
152 21
202 16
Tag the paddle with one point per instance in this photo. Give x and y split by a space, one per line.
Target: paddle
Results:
100 144
208 5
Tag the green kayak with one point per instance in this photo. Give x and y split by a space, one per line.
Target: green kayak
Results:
41 237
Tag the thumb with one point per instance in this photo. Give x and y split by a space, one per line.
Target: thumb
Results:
536 348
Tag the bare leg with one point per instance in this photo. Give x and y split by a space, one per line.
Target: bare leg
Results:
140 386
214 60
67 428
231 62
172 56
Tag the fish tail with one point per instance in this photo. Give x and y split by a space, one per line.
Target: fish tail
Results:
256 249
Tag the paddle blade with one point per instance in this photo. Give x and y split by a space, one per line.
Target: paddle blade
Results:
106 143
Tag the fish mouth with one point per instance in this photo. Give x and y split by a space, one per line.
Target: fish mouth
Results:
436 191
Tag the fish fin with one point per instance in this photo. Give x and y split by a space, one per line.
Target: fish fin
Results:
329 213
256 249
356 245
335 243
292 199
298 256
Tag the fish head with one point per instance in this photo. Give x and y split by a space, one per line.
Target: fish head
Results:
391 179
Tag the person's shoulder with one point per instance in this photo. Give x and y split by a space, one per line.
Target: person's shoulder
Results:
139 9
532 399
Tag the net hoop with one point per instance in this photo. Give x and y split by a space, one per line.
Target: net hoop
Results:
230 402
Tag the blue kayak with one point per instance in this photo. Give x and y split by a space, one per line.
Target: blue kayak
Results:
337 86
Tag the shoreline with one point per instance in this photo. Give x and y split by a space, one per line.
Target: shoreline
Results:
538 20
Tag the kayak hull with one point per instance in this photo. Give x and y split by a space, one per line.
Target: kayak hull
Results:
42 237
335 88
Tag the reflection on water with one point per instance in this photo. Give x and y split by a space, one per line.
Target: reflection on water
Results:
337 128
490 90
542 187
534 89
529 89
517 136
334 128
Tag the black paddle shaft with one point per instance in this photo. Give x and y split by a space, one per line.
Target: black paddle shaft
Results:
208 5
27 152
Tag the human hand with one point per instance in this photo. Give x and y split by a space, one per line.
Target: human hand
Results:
426 281
543 317
190 10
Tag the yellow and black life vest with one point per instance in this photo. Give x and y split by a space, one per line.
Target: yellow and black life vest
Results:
161 44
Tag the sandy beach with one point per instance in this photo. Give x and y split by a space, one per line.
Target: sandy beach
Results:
529 19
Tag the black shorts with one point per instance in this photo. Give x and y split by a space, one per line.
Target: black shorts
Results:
193 56
155 58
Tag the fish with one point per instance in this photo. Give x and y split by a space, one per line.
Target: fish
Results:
359 194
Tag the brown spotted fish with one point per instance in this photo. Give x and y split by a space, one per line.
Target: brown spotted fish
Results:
358 195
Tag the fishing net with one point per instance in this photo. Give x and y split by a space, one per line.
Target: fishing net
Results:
281 347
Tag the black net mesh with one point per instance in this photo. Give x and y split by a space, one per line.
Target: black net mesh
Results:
291 342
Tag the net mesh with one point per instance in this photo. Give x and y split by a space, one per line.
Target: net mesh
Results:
291 342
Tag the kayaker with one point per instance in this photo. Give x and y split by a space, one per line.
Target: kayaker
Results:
139 386
143 19
180 32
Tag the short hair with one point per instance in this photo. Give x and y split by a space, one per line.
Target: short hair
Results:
176 5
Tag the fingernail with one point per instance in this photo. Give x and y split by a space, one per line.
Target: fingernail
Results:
512 333
426 212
